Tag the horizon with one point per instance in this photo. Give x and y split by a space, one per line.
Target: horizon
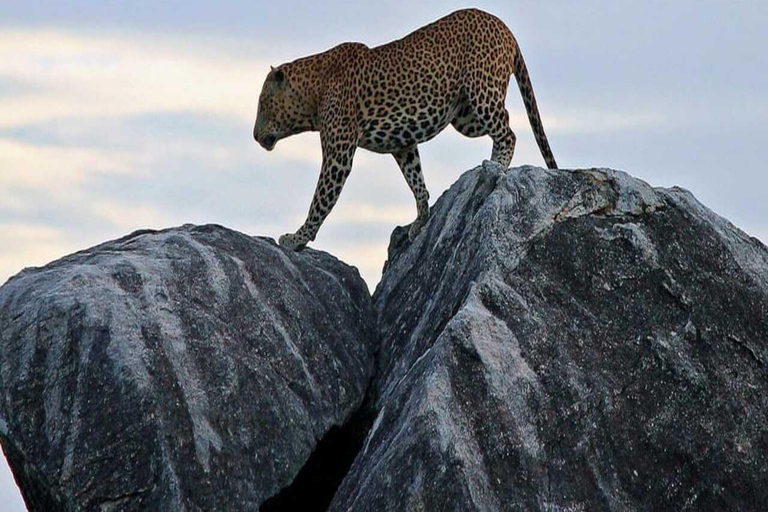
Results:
115 118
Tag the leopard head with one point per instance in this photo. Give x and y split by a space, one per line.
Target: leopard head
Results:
283 108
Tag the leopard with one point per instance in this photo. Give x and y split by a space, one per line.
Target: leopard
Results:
393 97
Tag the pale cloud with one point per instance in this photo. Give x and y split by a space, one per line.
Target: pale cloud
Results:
208 154
53 168
12 203
368 257
302 148
591 121
128 216
94 75
366 213
26 245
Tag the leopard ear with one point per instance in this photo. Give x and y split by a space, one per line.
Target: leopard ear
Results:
279 77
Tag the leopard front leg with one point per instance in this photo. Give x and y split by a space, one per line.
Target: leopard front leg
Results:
337 164
410 165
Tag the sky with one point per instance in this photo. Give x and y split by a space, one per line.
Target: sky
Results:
117 116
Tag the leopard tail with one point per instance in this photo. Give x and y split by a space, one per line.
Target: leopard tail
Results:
526 90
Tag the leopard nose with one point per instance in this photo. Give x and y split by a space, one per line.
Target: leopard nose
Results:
269 141
255 134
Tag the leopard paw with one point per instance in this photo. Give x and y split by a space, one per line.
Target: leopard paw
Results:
416 228
292 242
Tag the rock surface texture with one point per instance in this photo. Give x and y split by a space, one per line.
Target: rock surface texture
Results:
188 369
570 341
552 340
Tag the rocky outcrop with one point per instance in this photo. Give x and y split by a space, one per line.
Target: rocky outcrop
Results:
188 369
552 340
568 340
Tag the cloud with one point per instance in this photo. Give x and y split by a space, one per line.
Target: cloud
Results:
366 213
53 169
128 216
368 257
13 204
94 75
26 245
591 120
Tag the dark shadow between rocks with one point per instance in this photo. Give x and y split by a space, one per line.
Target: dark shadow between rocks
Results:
315 485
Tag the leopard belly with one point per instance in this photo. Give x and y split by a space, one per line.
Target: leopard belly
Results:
412 125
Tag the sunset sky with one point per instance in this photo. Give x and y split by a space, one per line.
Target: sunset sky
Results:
117 116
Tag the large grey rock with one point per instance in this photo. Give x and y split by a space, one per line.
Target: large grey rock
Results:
186 369
572 341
